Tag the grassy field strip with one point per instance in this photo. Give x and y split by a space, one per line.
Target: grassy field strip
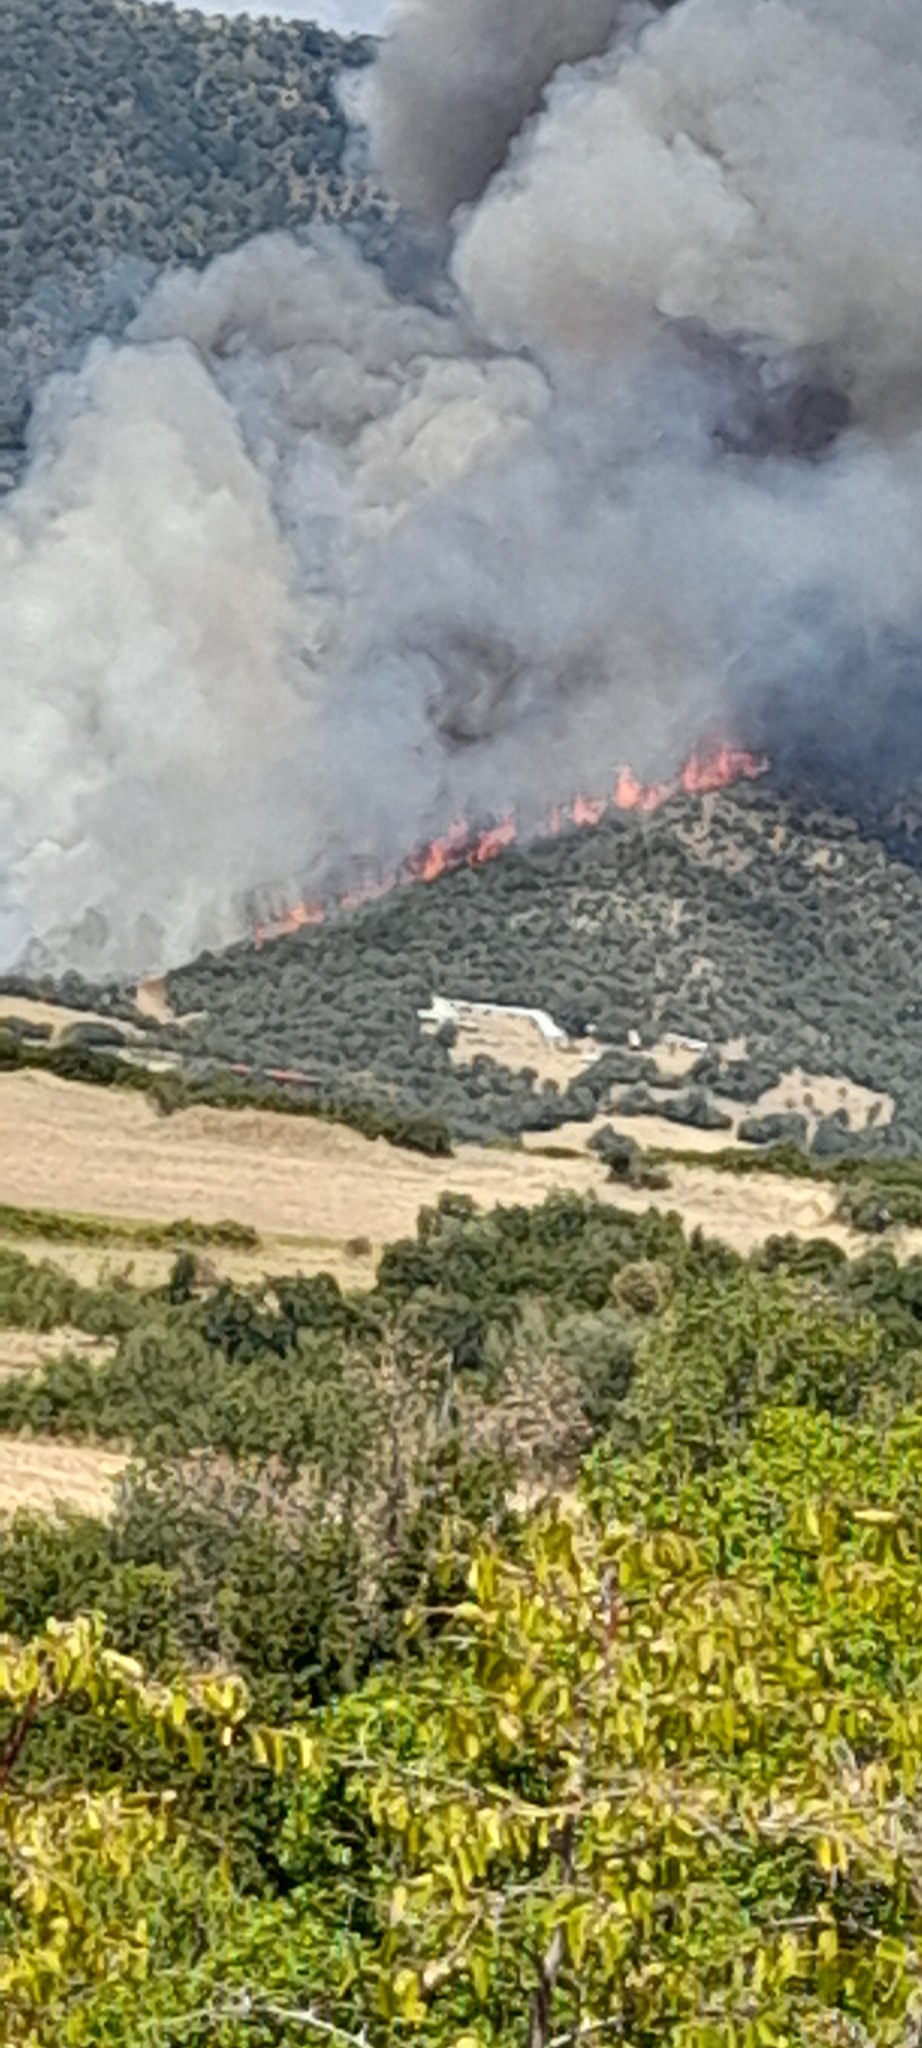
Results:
131 1261
62 1228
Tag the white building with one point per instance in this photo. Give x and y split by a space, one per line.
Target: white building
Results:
443 1011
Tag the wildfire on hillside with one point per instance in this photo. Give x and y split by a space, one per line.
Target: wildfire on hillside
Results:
463 846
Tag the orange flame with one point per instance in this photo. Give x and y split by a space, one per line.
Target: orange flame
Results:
428 862
702 774
292 920
632 795
460 846
589 810
491 842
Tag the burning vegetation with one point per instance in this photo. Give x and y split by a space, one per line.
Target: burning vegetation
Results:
366 530
727 917
461 846
327 559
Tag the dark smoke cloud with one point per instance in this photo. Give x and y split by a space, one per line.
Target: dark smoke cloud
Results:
305 568
455 82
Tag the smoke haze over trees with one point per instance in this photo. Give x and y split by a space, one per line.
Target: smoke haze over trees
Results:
175 137
304 569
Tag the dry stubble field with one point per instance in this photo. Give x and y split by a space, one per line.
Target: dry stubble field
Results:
310 1190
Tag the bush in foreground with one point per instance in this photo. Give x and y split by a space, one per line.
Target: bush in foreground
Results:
657 1777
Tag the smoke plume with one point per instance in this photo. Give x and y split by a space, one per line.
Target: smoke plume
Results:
304 568
455 85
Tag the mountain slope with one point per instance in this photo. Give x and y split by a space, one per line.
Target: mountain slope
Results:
723 919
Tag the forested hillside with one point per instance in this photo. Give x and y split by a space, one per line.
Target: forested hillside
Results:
176 134
736 918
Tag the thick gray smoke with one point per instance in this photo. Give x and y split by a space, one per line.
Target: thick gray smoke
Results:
302 571
454 85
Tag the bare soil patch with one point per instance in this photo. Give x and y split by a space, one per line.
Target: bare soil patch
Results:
743 1212
23 1350
152 1000
674 1058
819 1095
52 1475
648 1131
517 1042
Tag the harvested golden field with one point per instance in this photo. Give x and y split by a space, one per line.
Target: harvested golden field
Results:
310 1188
320 1196
95 1151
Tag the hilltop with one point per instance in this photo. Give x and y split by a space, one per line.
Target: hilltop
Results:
176 137
786 940
176 134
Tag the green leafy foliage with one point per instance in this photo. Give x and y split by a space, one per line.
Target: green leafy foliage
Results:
659 1771
729 1347
40 1297
643 1761
661 1775
689 1330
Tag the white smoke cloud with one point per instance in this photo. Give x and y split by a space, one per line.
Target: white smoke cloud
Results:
755 167
301 571
141 676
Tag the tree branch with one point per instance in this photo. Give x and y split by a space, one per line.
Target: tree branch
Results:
573 2036
14 1743
304 2016
549 1965
247 2007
